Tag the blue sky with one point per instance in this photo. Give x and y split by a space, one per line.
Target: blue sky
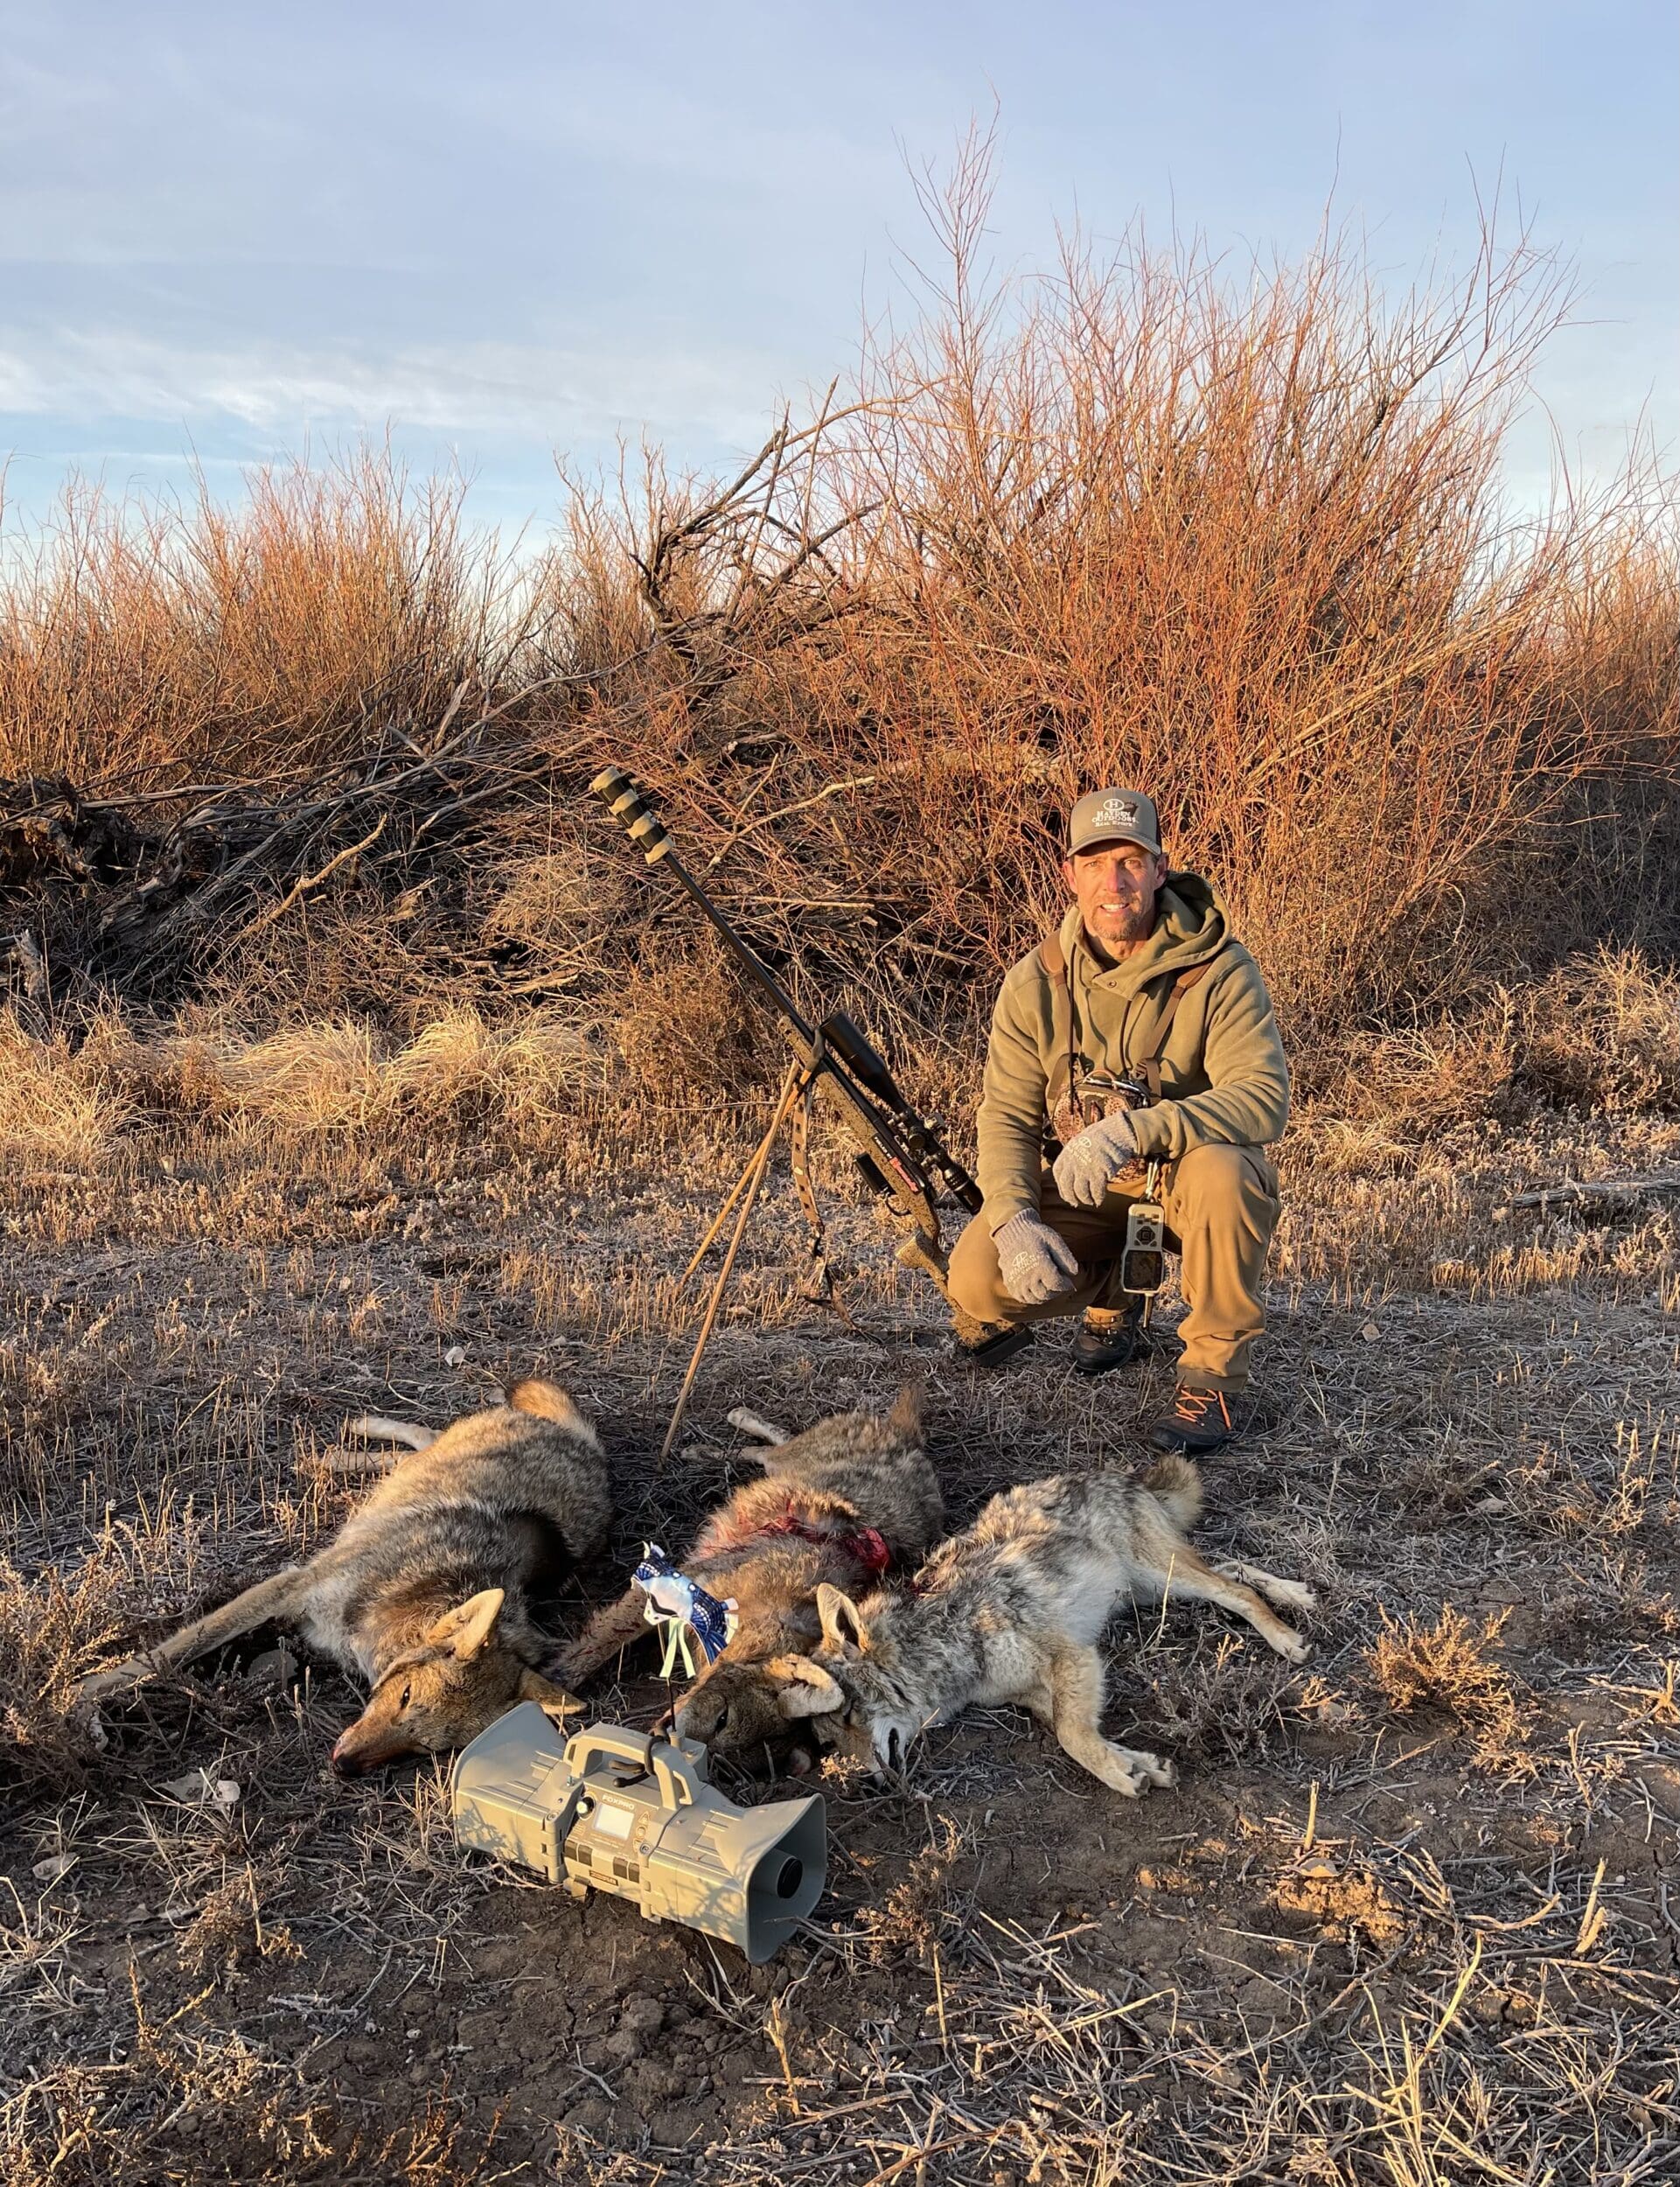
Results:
238 231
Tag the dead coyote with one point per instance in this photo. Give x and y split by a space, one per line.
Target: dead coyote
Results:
1012 1612
424 1591
838 1504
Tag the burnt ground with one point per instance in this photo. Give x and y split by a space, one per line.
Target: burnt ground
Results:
1412 1915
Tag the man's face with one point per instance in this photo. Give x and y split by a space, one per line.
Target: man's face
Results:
1115 886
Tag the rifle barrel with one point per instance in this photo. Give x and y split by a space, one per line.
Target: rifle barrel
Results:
844 1048
748 958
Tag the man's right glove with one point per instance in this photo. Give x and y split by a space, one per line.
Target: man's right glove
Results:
1037 1265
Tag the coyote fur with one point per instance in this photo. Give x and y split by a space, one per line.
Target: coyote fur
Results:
1012 1612
837 1504
425 1590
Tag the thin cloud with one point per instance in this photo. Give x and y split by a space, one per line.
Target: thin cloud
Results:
546 393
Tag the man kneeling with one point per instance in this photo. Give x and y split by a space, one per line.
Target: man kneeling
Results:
1143 984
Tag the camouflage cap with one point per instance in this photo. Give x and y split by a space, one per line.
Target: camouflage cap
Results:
1114 816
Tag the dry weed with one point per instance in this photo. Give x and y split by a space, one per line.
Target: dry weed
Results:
229 1929
1448 1665
1602 1033
923 1908
687 1026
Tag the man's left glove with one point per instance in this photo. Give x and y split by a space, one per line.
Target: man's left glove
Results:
1088 1165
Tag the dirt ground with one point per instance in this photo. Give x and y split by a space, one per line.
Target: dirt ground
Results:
1413 1915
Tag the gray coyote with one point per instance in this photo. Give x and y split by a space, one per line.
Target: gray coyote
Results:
425 1590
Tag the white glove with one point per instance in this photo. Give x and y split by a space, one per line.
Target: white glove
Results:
1088 1165
1037 1265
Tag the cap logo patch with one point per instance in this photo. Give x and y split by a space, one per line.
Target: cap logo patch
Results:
1115 812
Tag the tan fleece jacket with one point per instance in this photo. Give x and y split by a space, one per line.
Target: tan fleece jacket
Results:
1223 1079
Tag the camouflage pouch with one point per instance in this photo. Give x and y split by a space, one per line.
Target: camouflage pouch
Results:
1091 1097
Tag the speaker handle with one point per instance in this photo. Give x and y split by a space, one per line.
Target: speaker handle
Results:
676 1774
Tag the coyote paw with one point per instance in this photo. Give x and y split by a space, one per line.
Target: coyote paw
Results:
1128 1769
1293 1595
1155 1767
1294 1649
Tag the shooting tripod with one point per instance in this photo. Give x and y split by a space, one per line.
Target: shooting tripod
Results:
793 1103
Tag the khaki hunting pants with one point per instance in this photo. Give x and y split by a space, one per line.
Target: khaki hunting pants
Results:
1222 1207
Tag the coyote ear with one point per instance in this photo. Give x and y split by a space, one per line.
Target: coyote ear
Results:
464 1630
534 1685
802 1688
905 1418
842 1621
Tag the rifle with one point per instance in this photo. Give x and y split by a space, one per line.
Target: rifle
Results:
901 1154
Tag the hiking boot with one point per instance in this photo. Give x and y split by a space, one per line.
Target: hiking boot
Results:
987 1344
1107 1337
1200 1421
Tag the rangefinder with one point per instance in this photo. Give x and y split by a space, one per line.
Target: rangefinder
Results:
1143 1257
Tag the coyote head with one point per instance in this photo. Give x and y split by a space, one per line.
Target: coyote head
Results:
442 1692
848 1688
735 1709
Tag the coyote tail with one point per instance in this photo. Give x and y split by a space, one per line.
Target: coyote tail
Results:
1176 1485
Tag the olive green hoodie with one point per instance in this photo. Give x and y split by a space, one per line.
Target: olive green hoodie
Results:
1223 1079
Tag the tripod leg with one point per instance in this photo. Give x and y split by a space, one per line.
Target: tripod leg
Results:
755 1179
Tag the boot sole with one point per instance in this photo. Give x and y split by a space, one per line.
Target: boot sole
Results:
1170 1439
995 1351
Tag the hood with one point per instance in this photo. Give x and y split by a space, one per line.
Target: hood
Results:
1190 926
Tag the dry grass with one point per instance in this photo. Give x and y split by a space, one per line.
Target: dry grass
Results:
1406 1903
57 1109
66 1105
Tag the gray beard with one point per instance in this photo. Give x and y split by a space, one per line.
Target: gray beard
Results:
1138 927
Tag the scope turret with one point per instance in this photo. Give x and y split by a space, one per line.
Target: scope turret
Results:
632 810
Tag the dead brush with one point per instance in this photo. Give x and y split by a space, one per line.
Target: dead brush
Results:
145 643
1450 1667
926 1908
688 1022
229 1931
1602 1033
1215 1698
53 1629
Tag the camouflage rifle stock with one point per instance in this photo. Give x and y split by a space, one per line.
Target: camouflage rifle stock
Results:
902 1156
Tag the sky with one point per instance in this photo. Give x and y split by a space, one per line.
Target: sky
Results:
235 233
